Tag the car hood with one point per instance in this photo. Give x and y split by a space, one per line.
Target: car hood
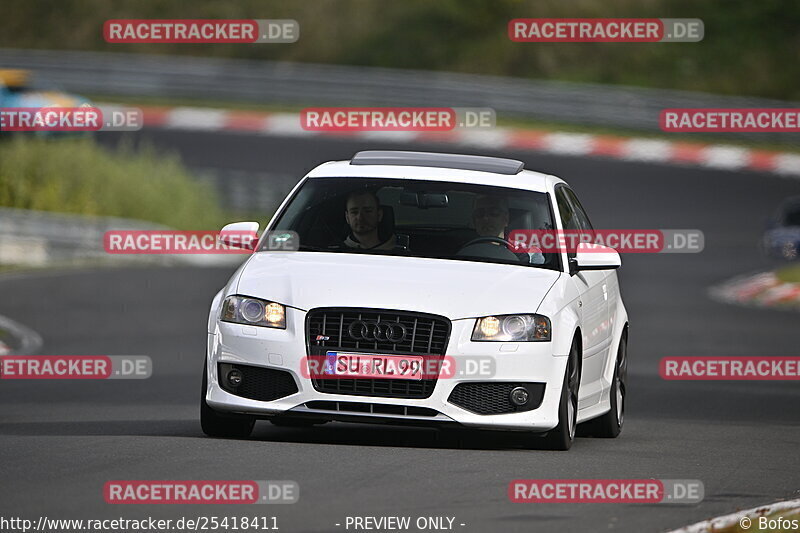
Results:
455 289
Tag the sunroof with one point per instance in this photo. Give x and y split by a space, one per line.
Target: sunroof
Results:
481 163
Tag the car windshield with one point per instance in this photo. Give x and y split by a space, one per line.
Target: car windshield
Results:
417 218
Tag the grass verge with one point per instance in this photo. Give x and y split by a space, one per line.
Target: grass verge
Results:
789 274
76 175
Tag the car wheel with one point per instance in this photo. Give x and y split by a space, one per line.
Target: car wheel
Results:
562 436
610 424
215 424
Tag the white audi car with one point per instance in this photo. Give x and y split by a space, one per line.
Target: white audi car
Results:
386 289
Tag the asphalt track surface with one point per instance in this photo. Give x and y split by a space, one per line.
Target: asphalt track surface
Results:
60 441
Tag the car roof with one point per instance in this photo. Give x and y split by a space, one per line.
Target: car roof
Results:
498 165
399 165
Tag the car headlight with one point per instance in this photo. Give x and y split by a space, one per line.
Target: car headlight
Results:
253 312
512 328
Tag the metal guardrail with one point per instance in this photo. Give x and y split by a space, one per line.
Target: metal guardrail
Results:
271 82
247 192
39 238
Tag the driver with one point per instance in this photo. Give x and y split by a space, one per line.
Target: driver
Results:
490 215
363 214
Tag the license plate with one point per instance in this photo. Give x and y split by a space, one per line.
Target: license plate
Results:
369 365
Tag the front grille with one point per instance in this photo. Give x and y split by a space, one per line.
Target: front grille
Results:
372 408
493 398
258 383
426 335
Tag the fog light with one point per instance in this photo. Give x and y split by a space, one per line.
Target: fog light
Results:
519 396
235 378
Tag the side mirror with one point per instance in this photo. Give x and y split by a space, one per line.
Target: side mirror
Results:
240 235
595 257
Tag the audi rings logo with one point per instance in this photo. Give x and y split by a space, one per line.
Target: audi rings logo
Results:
369 330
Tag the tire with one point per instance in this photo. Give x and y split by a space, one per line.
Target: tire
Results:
563 435
215 424
609 425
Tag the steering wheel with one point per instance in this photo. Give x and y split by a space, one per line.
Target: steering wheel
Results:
498 240
507 247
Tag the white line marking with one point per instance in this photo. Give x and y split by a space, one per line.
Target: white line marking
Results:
286 124
647 150
389 136
788 164
726 157
196 118
759 290
498 138
569 143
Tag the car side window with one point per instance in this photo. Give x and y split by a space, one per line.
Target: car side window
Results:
568 219
580 213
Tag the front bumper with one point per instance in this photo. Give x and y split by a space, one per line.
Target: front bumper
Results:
285 350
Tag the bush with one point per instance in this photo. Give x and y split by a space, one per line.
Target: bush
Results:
75 175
